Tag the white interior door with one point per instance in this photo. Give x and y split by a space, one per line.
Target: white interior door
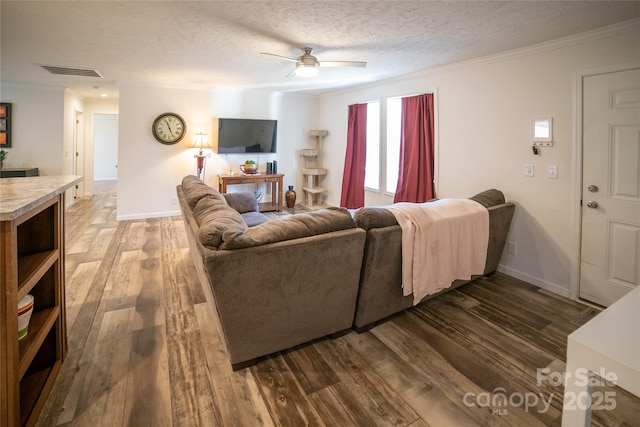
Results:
610 260
105 147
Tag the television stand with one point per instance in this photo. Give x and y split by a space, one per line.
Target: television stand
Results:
275 180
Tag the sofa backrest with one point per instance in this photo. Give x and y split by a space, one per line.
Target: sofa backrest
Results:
379 217
222 227
215 218
289 227
194 189
211 211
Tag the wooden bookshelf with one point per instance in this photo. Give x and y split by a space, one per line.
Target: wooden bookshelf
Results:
32 261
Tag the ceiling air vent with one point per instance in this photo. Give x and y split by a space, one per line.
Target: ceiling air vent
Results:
67 71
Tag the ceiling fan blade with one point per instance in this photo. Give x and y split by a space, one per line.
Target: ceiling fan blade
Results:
342 64
279 56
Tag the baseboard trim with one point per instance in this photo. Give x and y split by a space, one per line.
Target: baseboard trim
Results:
552 287
147 215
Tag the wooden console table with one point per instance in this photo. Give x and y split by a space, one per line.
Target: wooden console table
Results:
274 179
32 261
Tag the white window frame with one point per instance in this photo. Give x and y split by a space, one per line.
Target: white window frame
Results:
383 100
380 144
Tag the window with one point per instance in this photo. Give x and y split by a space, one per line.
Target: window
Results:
384 132
389 155
394 117
372 169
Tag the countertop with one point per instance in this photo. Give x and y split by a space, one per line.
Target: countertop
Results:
20 195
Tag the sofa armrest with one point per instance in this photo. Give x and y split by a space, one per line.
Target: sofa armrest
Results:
500 217
374 217
242 202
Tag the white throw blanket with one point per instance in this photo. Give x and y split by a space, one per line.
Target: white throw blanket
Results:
442 241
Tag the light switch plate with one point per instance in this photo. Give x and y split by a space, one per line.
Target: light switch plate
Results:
552 172
528 170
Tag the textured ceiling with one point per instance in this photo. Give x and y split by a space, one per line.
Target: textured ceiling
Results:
211 44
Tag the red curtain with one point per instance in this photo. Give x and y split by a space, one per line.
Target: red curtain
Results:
415 176
354 162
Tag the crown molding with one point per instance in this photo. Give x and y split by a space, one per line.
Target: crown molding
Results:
588 36
597 34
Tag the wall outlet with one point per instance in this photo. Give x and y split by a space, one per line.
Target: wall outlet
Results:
528 170
512 248
552 172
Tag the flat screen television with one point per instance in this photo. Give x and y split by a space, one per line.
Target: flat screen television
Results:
244 136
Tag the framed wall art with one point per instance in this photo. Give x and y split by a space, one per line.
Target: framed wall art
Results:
5 125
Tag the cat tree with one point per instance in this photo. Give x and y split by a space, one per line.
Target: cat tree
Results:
312 172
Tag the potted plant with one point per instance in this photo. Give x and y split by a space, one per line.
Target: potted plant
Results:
249 167
3 155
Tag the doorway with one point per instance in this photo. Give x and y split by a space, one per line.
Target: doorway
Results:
105 153
610 193
78 152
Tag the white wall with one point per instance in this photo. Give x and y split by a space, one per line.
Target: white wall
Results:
484 114
37 127
149 171
297 115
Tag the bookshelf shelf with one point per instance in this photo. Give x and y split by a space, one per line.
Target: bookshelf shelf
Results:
32 248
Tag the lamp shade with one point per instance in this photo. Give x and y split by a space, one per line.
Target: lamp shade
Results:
200 141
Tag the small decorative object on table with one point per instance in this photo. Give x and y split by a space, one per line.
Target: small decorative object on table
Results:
290 197
250 167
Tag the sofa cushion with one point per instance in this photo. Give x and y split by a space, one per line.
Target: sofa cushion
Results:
215 218
194 189
289 227
242 202
254 218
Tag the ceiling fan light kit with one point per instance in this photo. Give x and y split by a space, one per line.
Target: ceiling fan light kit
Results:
307 65
306 70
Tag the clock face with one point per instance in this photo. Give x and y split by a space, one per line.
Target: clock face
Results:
169 128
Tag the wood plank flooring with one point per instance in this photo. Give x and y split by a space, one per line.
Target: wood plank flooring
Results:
145 349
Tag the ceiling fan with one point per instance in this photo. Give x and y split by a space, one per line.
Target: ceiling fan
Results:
307 65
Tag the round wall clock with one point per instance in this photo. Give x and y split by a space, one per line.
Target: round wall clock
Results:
168 128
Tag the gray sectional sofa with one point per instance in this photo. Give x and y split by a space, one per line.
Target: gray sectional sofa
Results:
278 284
380 292
291 280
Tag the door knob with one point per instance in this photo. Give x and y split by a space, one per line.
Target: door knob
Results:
592 204
593 188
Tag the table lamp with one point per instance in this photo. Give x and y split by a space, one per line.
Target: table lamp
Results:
200 142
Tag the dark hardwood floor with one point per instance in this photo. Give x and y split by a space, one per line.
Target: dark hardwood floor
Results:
144 349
